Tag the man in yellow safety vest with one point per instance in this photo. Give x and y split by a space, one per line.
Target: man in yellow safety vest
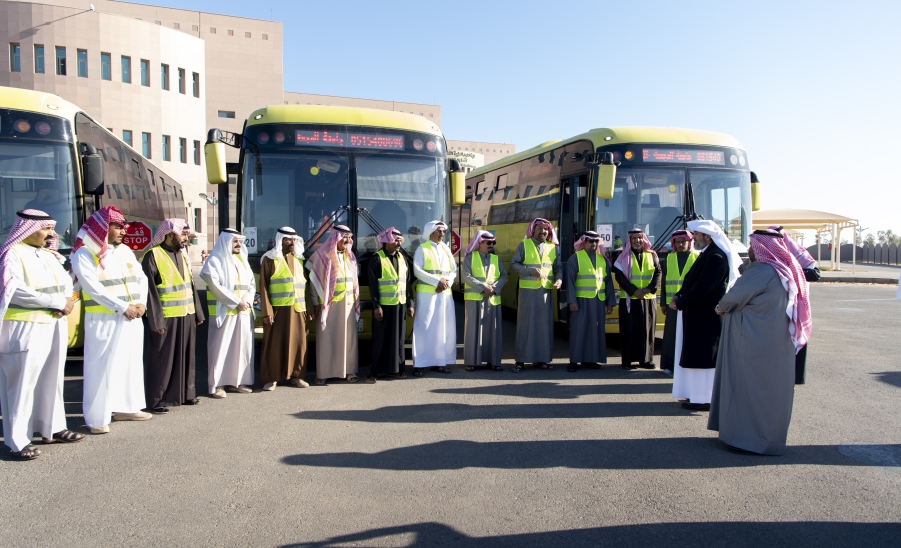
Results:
435 325
173 313
677 265
589 292
638 273
484 276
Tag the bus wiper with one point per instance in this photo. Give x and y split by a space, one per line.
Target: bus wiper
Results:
688 207
329 223
372 222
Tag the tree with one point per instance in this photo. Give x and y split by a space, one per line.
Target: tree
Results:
870 239
888 237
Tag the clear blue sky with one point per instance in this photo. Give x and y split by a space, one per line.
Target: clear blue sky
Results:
812 89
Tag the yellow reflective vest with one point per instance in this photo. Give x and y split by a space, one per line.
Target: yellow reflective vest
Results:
286 289
591 281
42 281
176 289
125 287
392 285
674 278
478 272
430 265
641 275
241 288
545 264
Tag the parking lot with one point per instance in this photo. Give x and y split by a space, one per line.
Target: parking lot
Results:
594 458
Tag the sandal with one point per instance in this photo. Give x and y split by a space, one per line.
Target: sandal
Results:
369 380
470 368
494 367
417 372
444 370
546 366
351 379
572 368
517 368
65 436
396 375
320 382
29 452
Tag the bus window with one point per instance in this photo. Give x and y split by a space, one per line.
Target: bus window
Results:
528 191
718 196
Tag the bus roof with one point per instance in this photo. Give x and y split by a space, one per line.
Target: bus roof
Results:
621 135
37 101
350 116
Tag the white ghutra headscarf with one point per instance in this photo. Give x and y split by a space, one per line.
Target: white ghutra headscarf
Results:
280 235
722 241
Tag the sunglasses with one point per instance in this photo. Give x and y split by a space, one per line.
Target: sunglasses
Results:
592 239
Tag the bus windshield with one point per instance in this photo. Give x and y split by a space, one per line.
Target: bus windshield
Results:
301 190
38 175
650 198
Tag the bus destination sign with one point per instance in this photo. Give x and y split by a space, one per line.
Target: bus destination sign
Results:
319 138
677 156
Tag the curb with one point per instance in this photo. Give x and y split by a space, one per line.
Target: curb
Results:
854 280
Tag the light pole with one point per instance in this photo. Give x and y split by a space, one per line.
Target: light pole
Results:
213 201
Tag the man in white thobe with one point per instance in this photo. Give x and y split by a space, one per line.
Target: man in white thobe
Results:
35 300
435 324
229 281
114 290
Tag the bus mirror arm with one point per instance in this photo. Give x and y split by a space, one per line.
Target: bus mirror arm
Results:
227 138
373 222
92 170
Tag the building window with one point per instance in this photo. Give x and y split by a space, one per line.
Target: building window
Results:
183 150
177 26
231 33
196 153
15 58
265 37
166 153
145 147
195 28
181 81
164 77
246 35
60 61
195 84
126 136
39 59
197 217
212 30
106 69
126 70
82 62
226 114
145 73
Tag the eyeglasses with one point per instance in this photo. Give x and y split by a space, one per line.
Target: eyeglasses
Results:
592 239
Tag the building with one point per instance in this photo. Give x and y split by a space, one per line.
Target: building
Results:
161 77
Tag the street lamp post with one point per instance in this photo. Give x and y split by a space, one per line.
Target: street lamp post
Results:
213 201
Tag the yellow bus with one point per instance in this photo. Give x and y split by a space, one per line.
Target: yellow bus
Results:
54 157
309 167
662 177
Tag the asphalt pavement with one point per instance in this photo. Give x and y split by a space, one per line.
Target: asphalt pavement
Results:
542 458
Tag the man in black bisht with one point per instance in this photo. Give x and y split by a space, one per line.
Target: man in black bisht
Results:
698 325
173 314
390 283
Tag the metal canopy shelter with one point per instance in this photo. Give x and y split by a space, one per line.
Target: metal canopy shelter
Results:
808 219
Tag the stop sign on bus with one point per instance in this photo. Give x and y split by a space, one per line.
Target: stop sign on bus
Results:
455 242
138 235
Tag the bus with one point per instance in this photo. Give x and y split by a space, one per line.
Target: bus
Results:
56 158
309 167
659 179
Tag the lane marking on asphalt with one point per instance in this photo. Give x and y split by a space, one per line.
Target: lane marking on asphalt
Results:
859 300
851 309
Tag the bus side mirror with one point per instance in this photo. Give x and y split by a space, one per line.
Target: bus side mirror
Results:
214 155
92 170
457 182
755 196
606 176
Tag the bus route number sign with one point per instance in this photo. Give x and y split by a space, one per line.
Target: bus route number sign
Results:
138 235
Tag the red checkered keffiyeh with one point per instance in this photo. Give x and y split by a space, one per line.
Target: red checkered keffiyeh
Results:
589 235
178 226
94 233
27 223
388 236
624 261
324 264
552 234
769 247
684 234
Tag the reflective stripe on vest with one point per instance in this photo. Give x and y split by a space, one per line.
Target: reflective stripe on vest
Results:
391 290
641 276
430 265
286 289
43 281
126 289
590 282
545 263
176 294
340 290
478 272
674 278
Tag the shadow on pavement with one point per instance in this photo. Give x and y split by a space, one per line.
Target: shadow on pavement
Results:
557 391
710 534
889 377
456 412
637 454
